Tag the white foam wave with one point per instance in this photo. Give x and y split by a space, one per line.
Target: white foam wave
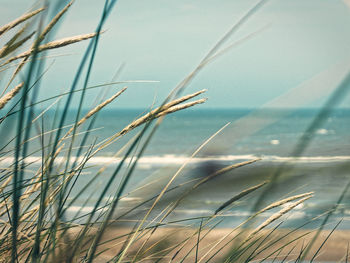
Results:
147 162
193 211
83 210
307 159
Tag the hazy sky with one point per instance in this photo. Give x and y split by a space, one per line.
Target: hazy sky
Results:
164 40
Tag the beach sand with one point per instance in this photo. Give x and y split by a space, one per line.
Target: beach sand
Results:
167 242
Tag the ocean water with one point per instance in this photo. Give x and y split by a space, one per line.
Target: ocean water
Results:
317 162
269 133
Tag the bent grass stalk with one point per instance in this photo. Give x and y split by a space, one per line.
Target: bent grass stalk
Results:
19 20
9 47
9 96
86 117
276 216
136 123
166 188
273 205
51 45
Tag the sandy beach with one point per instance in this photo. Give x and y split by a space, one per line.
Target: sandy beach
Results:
176 244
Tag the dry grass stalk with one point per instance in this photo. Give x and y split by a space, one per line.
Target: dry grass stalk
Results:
181 107
85 118
41 37
48 28
183 98
16 36
209 177
11 43
276 216
38 40
32 188
8 96
283 201
239 196
273 205
154 114
159 112
52 45
14 74
32 214
65 41
162 192
94 111
225 170
7 49
19 20
7 181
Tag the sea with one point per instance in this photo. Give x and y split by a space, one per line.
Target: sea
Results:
295 151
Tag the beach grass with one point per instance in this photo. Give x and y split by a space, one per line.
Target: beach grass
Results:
34 226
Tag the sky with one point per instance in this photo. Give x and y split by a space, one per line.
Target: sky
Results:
164 41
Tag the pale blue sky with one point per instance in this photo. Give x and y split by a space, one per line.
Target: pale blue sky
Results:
164 40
